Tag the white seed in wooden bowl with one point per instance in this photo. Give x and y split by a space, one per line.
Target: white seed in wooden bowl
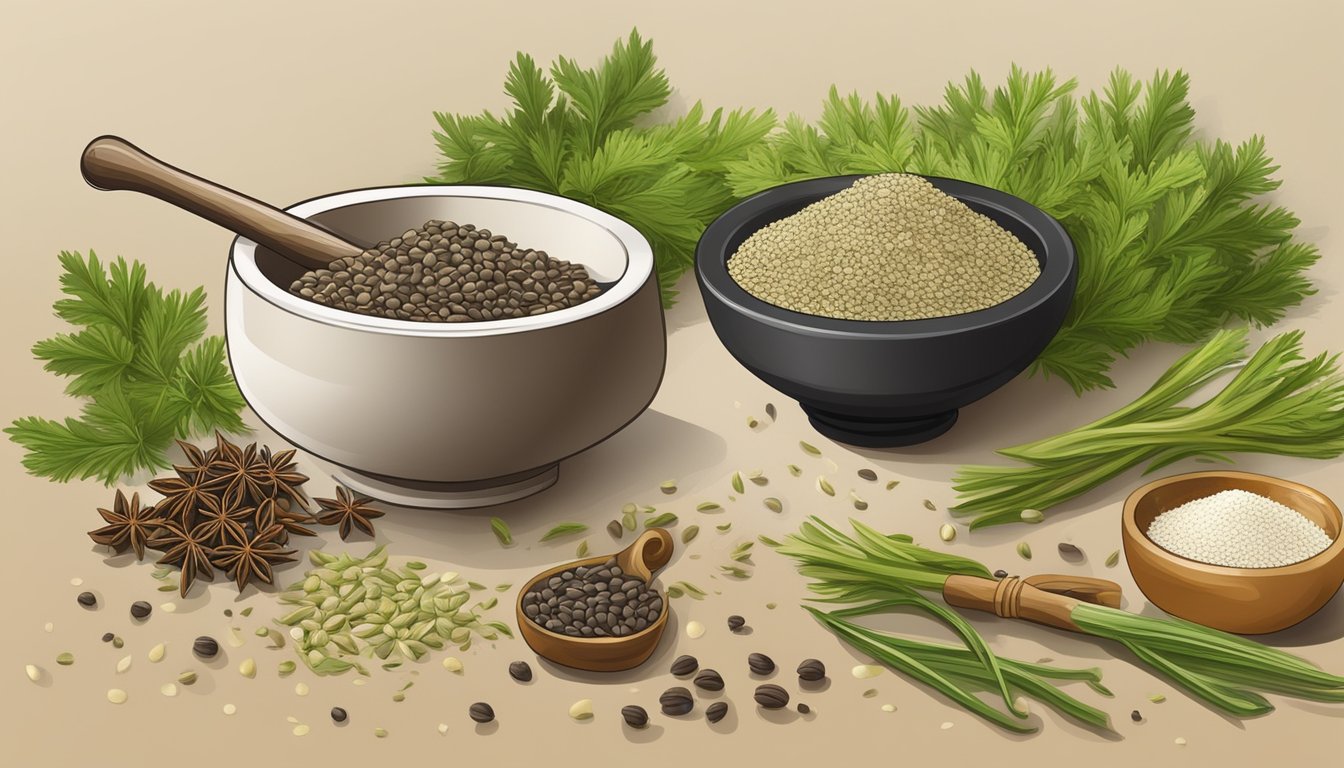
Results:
1238 529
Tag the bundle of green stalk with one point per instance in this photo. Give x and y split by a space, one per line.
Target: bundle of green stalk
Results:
1277 403
877 573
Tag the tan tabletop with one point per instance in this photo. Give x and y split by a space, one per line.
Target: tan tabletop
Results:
291 100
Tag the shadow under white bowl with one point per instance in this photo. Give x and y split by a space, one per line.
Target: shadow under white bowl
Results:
450 415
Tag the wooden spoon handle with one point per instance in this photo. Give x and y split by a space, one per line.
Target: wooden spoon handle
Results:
651 551
112 163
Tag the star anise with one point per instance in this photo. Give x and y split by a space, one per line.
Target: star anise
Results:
185 492
189 550
349 511
128 525
278 471
252 558
222 522
277 513
238 474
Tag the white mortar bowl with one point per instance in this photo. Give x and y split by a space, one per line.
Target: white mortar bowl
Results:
450 414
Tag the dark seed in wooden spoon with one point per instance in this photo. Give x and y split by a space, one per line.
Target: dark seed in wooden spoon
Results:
676 701
812 670
760 664
709 680
685 665
771 696
635 716
716 711
520 671
481 712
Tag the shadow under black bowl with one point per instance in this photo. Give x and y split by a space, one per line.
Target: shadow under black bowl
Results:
883 384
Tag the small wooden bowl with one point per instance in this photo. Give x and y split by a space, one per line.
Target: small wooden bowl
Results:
1247 601
650 552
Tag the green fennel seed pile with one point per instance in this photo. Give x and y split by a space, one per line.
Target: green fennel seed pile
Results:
891 247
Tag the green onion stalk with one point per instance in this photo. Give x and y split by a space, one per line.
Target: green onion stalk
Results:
872 573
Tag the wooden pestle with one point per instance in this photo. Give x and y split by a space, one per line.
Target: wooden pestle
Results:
112 163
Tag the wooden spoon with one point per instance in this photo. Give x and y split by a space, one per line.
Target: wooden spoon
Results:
111 163
650 552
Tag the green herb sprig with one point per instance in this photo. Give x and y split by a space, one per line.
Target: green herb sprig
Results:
1277 403
1171 241
574 134
141 363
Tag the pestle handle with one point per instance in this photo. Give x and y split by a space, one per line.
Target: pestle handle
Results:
112 163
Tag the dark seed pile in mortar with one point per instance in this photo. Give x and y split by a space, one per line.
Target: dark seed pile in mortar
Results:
444 272
599 601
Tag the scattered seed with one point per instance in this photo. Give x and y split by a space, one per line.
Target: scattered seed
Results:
870 693
301 689
581 709
452 664
229 709
628 521
684 666
443 729
1024 550
668 486
1136 716
65 659
929 505
708 680
690 533
168 689
811 670
248 668
770 606
676 701
301 730
809 449
87 599
501 531
286 668
582 549
235 638
1180 742
660 521
1157 698
1032 516
34 672
737 483
398 697
168 607
771 696
381 733
75 582
48 627
124 664
635 716
726 527
1112 559
859 503
117 642
892 484
946 726
735 623
156 653
107 637
865 671
564 529
141 610
694 629
116 696
615 530
773 504
716 711
481 712
947 532
187 678
760 664
825 486
752 423
803 709
888 708
771 411
795 470
520 671
707 506
1067 551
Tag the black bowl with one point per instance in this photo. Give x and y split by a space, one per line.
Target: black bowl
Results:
885 384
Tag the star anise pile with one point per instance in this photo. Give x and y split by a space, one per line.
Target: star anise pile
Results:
229 508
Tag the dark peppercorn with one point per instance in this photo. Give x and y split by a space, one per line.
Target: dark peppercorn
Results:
771 696
520 671
812 670
676 701
1000 574
1135 716
716 711
760 664
685 665
867 474
205 647
87 599
481 712
338 715
803 709
736 622
1067 550
141 610
228 613
709 680
635 716
107 637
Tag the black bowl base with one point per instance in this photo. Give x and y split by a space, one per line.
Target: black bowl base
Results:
868 432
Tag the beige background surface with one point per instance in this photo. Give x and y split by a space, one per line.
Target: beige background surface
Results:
292 100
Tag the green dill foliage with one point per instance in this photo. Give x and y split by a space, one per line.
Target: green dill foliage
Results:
140 363
1171 241
573 133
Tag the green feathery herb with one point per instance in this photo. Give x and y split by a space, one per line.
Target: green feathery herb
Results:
574 134
140 362
1171 243
1277 403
